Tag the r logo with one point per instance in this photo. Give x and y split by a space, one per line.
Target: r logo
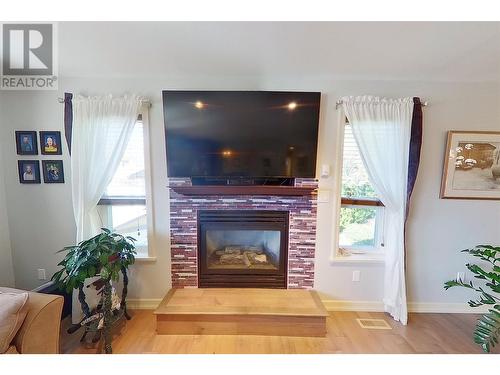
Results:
27 49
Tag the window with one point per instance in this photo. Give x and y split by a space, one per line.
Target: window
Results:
361 212
124 207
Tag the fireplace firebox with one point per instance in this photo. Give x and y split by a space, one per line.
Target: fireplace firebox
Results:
242 249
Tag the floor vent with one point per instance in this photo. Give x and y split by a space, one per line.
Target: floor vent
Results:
373 324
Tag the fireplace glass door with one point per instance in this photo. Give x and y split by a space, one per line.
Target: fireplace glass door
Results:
243 248
231 249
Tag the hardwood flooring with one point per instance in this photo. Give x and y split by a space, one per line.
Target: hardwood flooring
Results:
425 333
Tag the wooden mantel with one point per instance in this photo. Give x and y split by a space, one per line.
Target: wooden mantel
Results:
243 190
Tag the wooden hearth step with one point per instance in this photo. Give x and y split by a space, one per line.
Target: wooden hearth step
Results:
241 311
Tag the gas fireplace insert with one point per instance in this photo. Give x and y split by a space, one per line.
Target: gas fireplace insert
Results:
242 249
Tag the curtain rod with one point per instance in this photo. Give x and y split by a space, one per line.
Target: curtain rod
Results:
339 103
144 101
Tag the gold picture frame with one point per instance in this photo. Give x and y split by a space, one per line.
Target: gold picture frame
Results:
471 165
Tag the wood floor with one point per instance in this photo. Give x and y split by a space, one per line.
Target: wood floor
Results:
425 333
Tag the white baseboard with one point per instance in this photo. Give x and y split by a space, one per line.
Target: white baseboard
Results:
416 307
143 303
343 305
433 307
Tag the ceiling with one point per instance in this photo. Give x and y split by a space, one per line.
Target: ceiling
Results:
430 51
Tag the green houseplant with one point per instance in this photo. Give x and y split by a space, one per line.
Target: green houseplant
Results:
487 331
104 256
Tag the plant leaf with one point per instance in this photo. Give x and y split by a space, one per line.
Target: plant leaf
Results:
487 330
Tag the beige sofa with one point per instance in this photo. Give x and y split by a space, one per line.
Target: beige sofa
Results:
39 333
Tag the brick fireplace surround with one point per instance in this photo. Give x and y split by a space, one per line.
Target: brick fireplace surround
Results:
183 229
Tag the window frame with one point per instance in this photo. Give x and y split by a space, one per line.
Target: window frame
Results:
377 250
106 202
379 230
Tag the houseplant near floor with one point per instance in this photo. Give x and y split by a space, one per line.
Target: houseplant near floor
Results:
487 330
104 256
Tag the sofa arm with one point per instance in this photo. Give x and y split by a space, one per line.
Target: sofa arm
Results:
39 333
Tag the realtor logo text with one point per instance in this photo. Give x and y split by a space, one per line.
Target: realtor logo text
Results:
28 57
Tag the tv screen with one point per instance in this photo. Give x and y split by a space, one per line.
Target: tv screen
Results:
241 133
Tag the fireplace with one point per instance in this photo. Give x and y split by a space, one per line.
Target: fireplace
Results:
293 209
242 248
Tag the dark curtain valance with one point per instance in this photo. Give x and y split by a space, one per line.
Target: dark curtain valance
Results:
414 157
68 118
415 147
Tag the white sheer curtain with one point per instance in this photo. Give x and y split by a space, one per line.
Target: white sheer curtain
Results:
101 129
382 129
100 133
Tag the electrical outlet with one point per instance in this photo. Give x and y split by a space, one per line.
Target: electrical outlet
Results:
41 274
323 196
325 170
461 276
356 275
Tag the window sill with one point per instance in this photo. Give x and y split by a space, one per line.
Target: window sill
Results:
375 259
144 259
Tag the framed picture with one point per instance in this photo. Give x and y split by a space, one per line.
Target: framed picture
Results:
50 143
29 171
53 172
26 143
472 165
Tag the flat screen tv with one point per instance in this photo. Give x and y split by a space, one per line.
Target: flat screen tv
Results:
241 133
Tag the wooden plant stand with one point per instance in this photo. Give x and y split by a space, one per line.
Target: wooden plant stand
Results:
111 318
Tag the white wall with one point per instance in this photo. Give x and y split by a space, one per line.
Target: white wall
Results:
41 216
6 269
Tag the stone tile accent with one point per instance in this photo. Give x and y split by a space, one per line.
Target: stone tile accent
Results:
183 230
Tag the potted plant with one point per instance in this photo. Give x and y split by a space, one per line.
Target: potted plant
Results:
487 331
104 256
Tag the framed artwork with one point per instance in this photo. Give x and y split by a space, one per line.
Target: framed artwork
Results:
26 143
53 172
50 143
472 165
29 171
